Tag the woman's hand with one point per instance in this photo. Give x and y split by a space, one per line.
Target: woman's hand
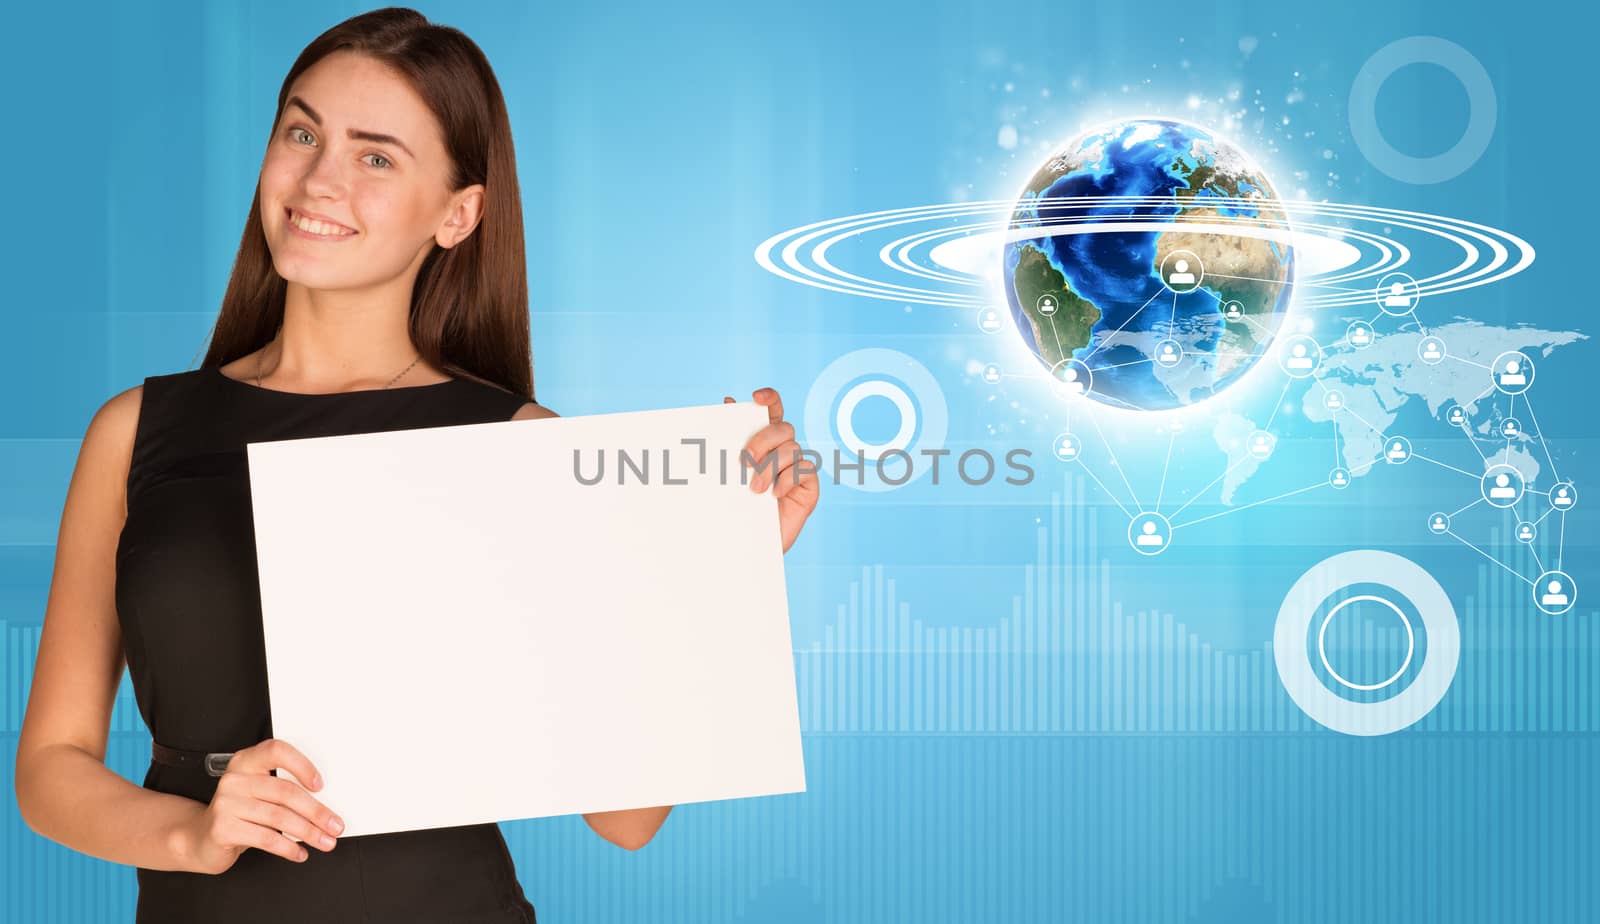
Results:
253 808
797 489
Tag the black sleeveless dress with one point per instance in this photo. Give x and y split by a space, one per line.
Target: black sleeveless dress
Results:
189 604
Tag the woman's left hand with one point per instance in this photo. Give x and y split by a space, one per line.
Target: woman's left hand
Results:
796 489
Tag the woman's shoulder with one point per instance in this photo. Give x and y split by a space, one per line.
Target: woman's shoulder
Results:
533 411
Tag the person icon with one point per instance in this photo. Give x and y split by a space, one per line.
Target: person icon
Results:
1149 533
1525 532
1397 297
1069 376
1562 497
1340 478
1457 416
1180 274
991 373
1397 451
1260 444
1298 358
1432 350
1333 401
1513 375
1438 523
1066 448
1168 355
989 320
1360 336
1047 304
1234 311
1555 593
1503 488
1509 427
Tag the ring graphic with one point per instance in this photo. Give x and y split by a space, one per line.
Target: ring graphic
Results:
1422 49
842 387
1439 626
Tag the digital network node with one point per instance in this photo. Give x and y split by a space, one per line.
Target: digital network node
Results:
1149 533
1397 294
1168 353
1339 478
1512 372
1555 592
991 374
1182 272
1300 356
1066 447
1260 444
1074 376
1439 523
1430 350
1360 335
1397 450
1046 305
989 320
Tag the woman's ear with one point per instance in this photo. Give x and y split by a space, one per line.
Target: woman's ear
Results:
465 212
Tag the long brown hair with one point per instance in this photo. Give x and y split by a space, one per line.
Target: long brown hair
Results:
469 307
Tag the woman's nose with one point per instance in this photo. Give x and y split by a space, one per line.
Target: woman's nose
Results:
324 176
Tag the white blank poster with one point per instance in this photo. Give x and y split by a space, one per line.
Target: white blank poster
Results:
460 631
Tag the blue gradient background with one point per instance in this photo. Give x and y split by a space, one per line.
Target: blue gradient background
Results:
1008 715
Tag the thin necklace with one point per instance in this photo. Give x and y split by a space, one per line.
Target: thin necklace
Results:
261 357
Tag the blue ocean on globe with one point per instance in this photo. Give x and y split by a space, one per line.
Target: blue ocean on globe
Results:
1180 296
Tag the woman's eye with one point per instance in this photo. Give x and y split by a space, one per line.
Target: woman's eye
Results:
386 163
295 132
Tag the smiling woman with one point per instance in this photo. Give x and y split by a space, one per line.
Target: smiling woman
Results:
380 284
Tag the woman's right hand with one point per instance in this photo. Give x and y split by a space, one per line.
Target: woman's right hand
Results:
253 808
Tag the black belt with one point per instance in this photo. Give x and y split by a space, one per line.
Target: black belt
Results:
214 763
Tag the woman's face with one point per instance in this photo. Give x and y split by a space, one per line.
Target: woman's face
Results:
357 149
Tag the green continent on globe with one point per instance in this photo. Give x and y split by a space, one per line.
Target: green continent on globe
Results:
1063 330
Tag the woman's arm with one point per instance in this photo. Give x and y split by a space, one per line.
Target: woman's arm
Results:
627 828
64 790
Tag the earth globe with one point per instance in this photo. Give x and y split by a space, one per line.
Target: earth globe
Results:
1148 265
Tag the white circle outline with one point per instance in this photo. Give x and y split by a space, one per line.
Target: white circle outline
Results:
1336 485
1571 489
1322 647
1372 335
1435 514
1444 351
